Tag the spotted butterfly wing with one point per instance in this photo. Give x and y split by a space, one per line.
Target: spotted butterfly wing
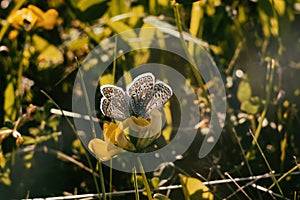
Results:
161 94
114 103
140 92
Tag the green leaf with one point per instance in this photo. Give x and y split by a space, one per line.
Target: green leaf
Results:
244 91
197 14
127 32
147 34
2 160
28 159
49 55
34 131
53 122
252 105
159 196
280 6
118 27
41 139
106 79
4 177
155 182
28 140
9 102
78 43
83 5
118 7
87 10
249 107
194 189
137 12
270 24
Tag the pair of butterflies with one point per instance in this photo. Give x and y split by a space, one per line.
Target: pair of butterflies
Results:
142 95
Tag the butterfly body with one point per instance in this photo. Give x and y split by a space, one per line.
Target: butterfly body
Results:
142 96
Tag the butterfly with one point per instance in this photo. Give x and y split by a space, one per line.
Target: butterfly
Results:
142 95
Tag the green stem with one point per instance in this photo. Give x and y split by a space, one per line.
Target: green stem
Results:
136 185
92 127
115 61
285 175
267 163
110 179
190 58
75 132
147 187
152 6
102 180
87 101
268 98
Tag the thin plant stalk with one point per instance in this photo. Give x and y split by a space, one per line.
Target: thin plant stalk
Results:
285 175
102 180
179 27
110 178
147 187
75 132
246 185
115 60
267 163
244 155
270 192
237 185
64 157
243 151
92 127
268 98
86 100
135 183
175 187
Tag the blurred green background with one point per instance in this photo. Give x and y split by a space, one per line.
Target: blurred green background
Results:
255 45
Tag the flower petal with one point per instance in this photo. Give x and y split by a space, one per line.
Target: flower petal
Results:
99 148
48 19
23 18
116 136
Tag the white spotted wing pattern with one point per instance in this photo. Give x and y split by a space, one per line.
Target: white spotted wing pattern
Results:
142 95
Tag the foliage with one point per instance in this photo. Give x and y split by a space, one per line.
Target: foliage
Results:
255 45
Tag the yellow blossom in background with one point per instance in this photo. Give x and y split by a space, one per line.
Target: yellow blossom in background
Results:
23 18
116 136
33 17
13 34
46 20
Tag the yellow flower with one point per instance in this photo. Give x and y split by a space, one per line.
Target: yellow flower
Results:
114 142
46 20
13 34
102 150
33 17
116 136
145 130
